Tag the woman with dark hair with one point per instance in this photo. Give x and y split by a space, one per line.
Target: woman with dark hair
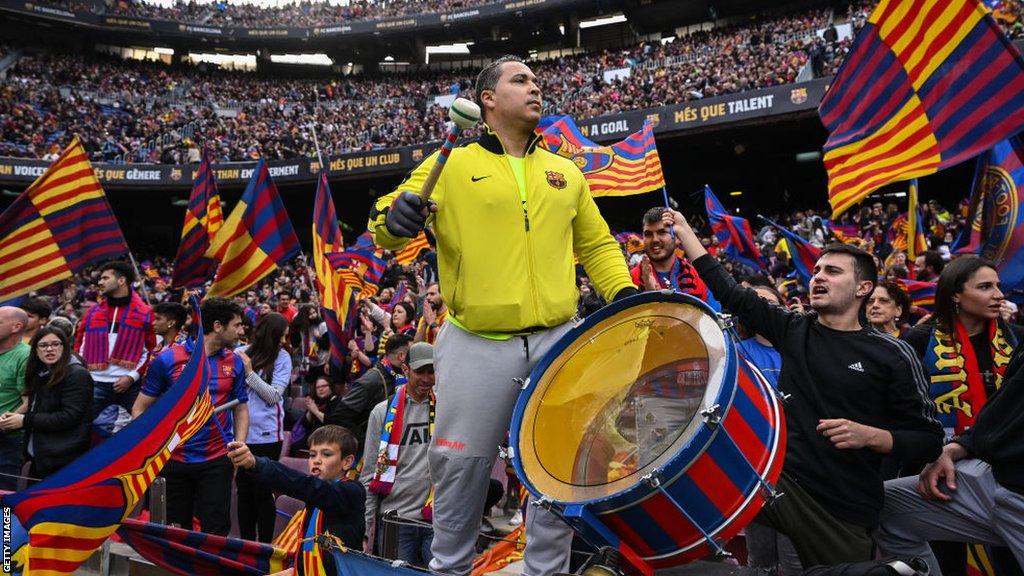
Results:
321 397
268 371
965 348
58 416
310 345
888 307
966 345
403 319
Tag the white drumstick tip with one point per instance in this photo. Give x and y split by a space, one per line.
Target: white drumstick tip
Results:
464 113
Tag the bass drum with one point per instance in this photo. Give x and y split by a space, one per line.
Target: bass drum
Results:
647 432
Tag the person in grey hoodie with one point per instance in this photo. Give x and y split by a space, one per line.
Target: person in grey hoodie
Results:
395 471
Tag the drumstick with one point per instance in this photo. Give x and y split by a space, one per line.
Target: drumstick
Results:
463 113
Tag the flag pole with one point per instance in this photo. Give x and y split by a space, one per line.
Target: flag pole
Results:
310 264
142 281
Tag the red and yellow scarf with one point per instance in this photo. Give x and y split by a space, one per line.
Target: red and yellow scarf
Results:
957 386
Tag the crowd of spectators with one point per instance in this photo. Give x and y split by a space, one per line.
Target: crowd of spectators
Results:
296 14
407 307
132 111
109 102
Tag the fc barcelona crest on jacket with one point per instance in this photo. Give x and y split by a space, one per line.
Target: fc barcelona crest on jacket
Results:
556 179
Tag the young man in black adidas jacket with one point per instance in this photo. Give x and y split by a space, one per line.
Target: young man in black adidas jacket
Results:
855 394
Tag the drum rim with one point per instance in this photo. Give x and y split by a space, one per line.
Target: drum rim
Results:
704 434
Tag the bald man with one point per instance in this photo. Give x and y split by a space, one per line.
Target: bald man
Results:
13 357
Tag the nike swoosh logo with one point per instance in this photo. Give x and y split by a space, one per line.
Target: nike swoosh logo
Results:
479 178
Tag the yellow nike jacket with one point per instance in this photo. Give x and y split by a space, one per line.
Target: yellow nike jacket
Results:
505 265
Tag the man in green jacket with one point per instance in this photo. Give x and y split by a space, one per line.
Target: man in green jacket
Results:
508 217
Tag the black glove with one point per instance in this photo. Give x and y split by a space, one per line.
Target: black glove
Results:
625 293
406 216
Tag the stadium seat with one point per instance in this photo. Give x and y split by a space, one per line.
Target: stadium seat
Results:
286 508
299 464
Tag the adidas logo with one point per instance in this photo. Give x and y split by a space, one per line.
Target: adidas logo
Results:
856 366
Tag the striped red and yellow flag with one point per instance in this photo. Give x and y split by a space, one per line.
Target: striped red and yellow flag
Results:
412 250
926 85
61 223
288 539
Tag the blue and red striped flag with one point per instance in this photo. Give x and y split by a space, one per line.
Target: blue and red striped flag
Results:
734 235
256 239
60 224
1002 187
802 253
926 85
400 291
326 239
922 294
631 166
189 553
844 232
68 515
203 218
364 242
968 241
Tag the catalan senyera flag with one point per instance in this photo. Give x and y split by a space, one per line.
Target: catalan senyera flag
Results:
256 238
327 239
68 515
926 85
734 235
631 166
1002 186
803 254
411 251
60 224
203 218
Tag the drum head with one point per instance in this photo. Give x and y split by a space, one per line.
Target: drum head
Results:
621 399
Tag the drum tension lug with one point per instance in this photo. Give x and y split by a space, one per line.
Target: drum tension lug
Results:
725 322
770 493
545 503
522 382
720 552
712 415
652 479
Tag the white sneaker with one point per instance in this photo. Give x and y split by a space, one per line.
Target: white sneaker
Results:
516 518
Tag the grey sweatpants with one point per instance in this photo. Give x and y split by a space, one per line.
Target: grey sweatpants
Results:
981 511
476 393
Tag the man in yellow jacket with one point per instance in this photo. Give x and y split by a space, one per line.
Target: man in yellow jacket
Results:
508 217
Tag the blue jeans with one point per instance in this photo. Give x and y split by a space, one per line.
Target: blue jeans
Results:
103 395
12 450
414 545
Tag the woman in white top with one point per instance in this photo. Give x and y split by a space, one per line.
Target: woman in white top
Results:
268 371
